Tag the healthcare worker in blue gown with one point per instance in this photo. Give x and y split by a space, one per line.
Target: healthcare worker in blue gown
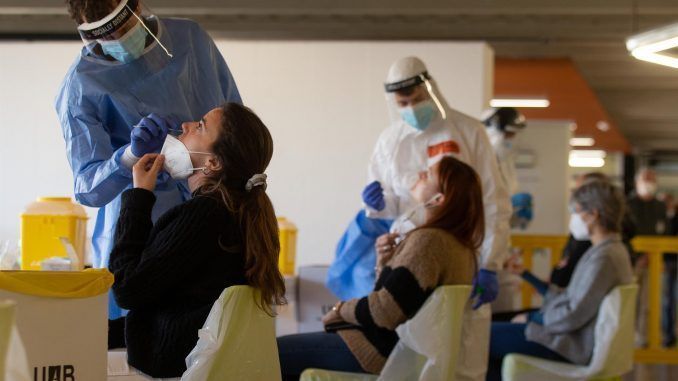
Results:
133 82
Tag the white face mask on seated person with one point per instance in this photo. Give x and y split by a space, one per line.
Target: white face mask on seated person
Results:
579 228
427 194
178 161
190 152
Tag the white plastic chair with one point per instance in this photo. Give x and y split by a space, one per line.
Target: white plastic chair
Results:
13 362
429 343
237 342
613 333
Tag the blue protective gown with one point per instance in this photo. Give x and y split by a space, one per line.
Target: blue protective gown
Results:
100 101
351 275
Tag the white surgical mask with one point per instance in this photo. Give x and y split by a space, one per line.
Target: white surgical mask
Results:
502 146
647 189
414 218
578 228
178 158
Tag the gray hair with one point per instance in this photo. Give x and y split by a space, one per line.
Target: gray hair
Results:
606 199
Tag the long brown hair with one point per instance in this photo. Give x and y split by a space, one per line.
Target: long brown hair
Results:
244 148
461 212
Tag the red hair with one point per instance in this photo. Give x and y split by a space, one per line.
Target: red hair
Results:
461 212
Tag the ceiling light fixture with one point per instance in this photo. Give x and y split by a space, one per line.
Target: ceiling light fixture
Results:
587 158
603 125
582 142
655 45
520 102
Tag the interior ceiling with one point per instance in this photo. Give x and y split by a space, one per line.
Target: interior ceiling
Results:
642 98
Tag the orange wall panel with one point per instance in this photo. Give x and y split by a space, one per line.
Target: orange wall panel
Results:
570 96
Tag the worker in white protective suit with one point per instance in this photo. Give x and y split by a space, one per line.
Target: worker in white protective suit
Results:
423 130
502 125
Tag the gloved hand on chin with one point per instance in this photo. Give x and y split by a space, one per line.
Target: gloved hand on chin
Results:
485 287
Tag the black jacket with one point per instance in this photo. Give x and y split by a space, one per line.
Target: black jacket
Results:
169 275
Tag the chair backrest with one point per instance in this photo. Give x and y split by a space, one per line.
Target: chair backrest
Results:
237 341
7 308
430 342
614 331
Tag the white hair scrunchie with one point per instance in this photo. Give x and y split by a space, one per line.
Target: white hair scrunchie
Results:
256 181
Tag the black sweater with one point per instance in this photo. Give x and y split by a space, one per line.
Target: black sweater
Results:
169 275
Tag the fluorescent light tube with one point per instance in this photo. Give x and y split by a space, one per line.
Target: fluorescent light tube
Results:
582 142
648 46
586 162
520 102
587 158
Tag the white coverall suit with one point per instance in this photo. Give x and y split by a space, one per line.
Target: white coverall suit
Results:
402 152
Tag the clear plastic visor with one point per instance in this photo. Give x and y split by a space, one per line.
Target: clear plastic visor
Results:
126 18
430 87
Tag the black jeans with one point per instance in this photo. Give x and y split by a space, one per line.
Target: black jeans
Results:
319 350
508 338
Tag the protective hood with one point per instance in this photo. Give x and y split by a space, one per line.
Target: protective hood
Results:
504 119
407 72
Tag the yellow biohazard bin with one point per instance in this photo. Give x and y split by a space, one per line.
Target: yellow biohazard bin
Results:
288 246
43 224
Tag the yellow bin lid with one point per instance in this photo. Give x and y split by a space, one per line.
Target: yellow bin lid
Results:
54 206
57 284
286 225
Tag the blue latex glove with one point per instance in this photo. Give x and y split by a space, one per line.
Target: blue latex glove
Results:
522 204
373 196
149 135
485 288
522 210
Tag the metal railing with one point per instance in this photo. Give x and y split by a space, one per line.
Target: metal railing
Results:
654 247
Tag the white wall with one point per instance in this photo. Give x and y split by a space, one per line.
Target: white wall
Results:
547 181
323 102
32 159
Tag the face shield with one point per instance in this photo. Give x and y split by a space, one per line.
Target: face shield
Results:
123 33
422 80
411 73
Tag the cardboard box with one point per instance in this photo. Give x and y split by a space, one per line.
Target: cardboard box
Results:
315 300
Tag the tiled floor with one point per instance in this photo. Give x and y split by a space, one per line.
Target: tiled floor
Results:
653 373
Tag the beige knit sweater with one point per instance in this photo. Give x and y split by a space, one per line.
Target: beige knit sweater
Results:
426 259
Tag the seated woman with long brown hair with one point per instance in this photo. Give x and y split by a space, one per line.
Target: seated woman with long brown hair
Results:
440 252
170 274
